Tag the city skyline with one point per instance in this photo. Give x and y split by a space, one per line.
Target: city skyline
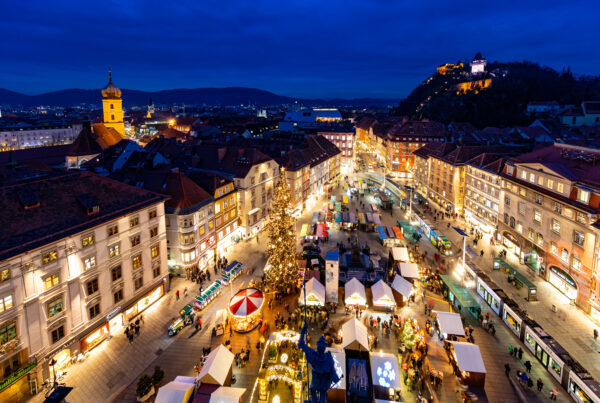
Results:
376 50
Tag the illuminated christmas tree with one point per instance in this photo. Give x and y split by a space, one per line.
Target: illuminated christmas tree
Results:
409 338
283 270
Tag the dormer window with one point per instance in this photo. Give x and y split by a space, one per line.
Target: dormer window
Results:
583 196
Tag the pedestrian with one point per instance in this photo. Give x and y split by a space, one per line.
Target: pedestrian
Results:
199 323
142 319
507 369
595 334
553 394
528 366
529 383
185 292
540 384
520 352
177 295
137 329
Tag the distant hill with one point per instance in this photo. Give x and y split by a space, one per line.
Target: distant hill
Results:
197 96
505 102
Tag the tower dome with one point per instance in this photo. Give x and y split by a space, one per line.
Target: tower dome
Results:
111 91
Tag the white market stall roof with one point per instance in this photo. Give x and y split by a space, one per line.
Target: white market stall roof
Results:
382 294
409 270
217 366
402 285
339 363
385 370
185 379
226 394
450 323
175 392
355 292
354 335
468 357
315 293
400 254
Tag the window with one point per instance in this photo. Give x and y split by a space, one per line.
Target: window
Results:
210 224
156 271
153 232
87 241
116 273
540 240
151 214
540 181
538 199
57 334
118 296
550 184
51 281
94 310
217 208
114 251
6 303
583 196
519 227
507 200
530 234
55 306
576 263
578 238
138 283
537 216
154 251
112 230
201 230
90 262
224 204
564 255
559 187
553 249
531 178
136 261
521 208
49 256
512 222
134 221
523 175
232 200
558 208
8 332
556 226
92 286
135 240
505 218
4 275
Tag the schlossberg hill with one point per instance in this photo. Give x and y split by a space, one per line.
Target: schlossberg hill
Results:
496 97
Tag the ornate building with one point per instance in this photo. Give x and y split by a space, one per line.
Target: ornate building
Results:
112 105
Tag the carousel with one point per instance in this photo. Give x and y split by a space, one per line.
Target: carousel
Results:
245 309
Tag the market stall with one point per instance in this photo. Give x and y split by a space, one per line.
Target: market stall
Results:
382 234
217 367
376 219
337 393
400 254
245 309
355 335
402 289
409 270
227 394
175 392
467 362
383 297
450 324
355 293
386 373
315 293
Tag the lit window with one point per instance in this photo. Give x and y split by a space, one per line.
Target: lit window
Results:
564 255
112 230
523 175
583 196
576 263
519 227
4 275
537 216
550 184
6 303
154 251
553 249
540 240
559 187
114 251
136 261
578 238
556 226
51 281
55 306
87 241
217 208
152 214
49 256
134 222
531 178
90 262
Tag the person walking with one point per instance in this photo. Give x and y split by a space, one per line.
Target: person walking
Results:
177 295
528 366
137 329
520 353
553 394
540 384
507 369
185 292
595 334
200 323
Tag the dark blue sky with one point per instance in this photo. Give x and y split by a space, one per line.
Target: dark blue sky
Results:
376 48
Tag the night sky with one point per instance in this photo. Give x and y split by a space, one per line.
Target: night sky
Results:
298 48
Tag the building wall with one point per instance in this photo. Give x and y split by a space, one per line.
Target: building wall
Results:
345 141
482 199
113 114
226 217
16 139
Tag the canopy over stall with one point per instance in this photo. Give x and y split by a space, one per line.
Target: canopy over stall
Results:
409 270
227 395
385 370
450 323
217 368
382 294
315 293
355 335
402 286
400 254
355 292
175 392
469 362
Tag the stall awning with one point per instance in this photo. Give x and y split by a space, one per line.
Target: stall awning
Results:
338 217
385 370
403 286
339 363
332 199
315 293
381 231
175 392
226 394
345 199
398 233
468 357
352 218
304 230
355 292
354 335
217 366
400 254
382 294
409 270
450 323
376 219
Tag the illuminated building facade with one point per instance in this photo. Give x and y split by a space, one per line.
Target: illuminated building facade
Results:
112 106
24 135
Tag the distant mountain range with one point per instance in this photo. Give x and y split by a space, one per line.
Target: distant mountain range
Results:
229 96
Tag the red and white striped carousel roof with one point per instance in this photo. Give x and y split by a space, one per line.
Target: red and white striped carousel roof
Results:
246 302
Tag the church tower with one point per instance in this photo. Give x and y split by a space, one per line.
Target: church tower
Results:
112 106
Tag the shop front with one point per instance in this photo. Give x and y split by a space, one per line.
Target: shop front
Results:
533 260
95 338
563 282
511 243
140 305
61 361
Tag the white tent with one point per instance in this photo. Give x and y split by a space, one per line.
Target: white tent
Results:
402 285
450 323
409 270
355 292
339 363
175 392
185 379
217 367
385 370
227 395
468 357
400 254
315 293
354 335
382 294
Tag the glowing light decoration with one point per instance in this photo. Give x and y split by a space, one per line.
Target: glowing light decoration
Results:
386 374
385 370
284 358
